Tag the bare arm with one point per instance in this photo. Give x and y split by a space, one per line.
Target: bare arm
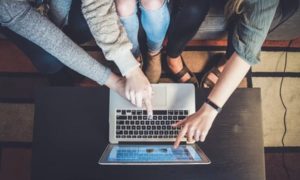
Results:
235 70
196 126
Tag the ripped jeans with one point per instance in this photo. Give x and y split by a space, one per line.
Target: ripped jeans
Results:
155 24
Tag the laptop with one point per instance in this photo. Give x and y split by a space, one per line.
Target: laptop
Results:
137 140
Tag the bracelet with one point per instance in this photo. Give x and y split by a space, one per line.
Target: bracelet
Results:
213 105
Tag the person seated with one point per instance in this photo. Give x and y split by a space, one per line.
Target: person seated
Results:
249 22
182 25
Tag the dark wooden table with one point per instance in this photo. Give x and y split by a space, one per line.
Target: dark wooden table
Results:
71 132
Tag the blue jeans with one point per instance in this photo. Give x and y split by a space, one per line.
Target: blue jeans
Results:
155 24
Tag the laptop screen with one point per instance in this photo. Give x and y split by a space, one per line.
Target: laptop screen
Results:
152 153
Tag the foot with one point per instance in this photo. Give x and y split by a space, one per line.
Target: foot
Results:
176 65
153 67
213 77
210 79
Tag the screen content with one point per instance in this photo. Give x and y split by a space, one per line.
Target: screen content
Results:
152 153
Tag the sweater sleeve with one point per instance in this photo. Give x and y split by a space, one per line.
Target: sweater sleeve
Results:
109 34
21 18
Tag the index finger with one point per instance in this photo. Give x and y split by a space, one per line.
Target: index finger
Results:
148 105
180 136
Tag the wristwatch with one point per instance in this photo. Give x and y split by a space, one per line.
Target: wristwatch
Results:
213 105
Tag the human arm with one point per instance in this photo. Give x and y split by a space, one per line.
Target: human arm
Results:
111 37
197 126
249 34
21 18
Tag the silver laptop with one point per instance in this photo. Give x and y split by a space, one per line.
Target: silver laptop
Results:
135 139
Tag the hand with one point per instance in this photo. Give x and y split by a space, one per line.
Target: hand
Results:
197 125
138 89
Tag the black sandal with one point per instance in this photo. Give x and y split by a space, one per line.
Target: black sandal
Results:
183 72
215 70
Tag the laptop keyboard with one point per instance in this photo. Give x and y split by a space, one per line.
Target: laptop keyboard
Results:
136 124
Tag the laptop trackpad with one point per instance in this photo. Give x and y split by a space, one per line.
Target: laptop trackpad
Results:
159 97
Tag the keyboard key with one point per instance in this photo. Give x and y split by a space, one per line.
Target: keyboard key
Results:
155 117
133 112
181 117
159 112
123 112
170 112
139 112
119 132
186 112
121 117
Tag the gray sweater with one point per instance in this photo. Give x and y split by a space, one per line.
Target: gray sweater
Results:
103 21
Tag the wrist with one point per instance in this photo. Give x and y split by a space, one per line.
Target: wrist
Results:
132 72
213 105
112 81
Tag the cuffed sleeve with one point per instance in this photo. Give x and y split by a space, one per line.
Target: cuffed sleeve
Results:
252 28
109 34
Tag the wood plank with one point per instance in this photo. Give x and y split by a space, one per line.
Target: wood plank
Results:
12 59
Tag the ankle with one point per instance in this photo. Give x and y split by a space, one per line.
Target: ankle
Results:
152 54
174 62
